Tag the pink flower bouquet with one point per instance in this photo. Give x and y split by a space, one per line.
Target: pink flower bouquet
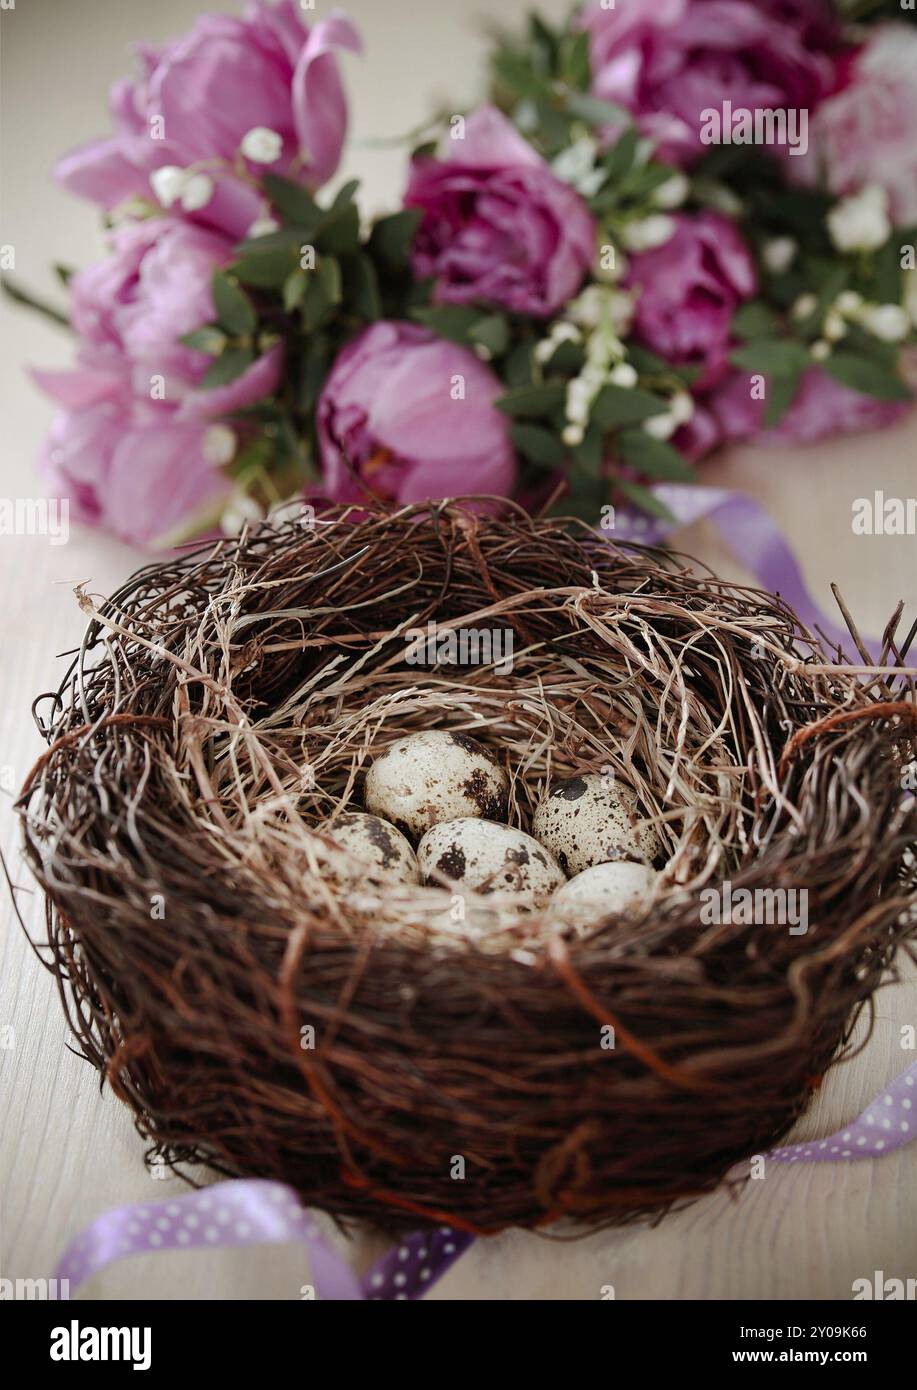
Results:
675 224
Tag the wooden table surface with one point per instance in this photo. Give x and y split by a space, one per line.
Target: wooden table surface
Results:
67 1153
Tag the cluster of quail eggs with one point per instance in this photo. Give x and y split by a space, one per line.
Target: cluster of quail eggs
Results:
590 853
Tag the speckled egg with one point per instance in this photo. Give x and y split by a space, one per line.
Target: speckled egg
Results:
590 819
621 886
377 844
424 779
488 858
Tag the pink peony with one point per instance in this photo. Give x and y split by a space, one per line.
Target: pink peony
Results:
411 416
669 61
124 462
689 289
822 408
198 96
867 132
154 288
498 227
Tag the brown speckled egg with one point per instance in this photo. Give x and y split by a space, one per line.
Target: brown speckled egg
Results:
621 886
377 844
589 819
488 858
427 778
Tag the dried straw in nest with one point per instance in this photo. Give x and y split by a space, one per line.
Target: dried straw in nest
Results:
224 706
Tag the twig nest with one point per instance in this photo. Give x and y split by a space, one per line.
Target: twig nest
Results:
427 778
596 893
378 846
488 858
590 819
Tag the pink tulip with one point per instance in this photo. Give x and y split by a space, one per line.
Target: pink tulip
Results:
197 98
405 415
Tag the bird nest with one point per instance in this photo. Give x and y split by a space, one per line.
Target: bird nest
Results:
393 1064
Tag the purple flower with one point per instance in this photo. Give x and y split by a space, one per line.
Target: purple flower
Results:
689 289
822 407
199 96
866 134
132 309
411 416
669 61
498 227
126 463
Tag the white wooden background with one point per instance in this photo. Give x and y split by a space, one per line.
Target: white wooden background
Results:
66 1154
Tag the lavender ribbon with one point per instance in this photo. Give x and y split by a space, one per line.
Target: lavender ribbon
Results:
750 533
253 1211
887 1123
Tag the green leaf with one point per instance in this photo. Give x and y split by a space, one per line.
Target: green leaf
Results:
575 59
361 287
596 112
235 311
208 339
339 232
517 369
267 269
294 287
452 321
315 364
294 202
538 445
622 154
391 237
289 239
519 75
227 367
345 193
644 499
781 392
771 356
588 456
866 375
754 320
654 457
533 402
492 333
646 362
620 405
64 273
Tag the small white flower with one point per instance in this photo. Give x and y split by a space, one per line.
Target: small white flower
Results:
860 222
564 332
805 305
587 307
623 374
167 183
544 350
219 445
889 322
197 192
779 253
661 426
649 233
820 350
262 226
681 406
262 145
848 302
572 435
673 192
240 509
622 304
834 326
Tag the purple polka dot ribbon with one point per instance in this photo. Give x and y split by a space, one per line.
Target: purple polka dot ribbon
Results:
252 1211
887 1122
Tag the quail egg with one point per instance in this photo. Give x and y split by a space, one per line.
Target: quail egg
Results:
621 886
427 778
488 858
590 819
377 844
